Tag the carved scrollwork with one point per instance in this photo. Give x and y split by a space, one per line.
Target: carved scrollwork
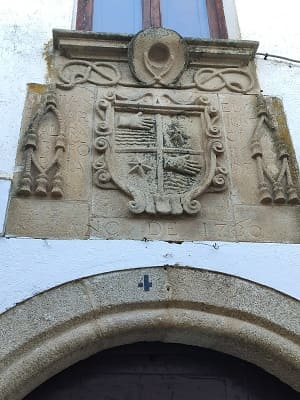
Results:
86 71
77 72
217 147
219 180
101 174
212 117
99 164
39 177
273 187
101 144
157 57
191 206
214 80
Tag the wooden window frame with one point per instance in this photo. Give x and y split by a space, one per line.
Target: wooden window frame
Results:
216 19
152 16
84 17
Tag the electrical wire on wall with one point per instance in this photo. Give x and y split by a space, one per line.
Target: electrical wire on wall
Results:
267 55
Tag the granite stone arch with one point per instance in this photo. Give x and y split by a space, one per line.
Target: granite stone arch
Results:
53 330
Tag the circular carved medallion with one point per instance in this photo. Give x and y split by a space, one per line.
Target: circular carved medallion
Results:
157 56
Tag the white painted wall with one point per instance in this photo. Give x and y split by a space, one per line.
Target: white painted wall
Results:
25 29
29 266
232 20
4 195
275 24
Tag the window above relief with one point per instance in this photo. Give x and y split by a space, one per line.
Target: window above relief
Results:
194 18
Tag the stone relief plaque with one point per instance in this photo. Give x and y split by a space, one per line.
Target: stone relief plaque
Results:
154 137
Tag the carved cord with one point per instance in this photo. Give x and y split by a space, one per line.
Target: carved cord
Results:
280 188
35 178
106 74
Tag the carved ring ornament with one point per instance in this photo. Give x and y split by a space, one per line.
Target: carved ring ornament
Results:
157 55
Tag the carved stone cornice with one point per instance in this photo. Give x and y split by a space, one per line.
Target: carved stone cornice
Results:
92 45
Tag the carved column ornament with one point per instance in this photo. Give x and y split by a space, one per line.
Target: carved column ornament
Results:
43 150
278 186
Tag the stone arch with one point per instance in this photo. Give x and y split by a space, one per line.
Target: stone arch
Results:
53 330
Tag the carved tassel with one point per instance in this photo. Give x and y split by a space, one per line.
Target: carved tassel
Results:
42 185
32 164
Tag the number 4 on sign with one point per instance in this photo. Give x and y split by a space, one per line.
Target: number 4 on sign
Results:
145 283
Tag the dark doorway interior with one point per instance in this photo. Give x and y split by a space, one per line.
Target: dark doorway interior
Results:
158 371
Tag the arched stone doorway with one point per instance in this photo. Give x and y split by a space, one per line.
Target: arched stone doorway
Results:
55 329
154 371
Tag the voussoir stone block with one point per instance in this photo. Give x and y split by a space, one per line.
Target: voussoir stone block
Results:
53 330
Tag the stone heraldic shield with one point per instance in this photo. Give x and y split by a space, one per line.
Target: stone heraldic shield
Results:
162 153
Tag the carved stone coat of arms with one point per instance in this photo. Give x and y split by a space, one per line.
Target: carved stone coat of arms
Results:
159 148
161 152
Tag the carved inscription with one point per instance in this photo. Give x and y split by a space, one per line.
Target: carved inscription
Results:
275 181
44 146
156 229
164 157
78 145
168 228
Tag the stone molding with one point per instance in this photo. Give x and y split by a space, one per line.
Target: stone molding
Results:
91 45
57 328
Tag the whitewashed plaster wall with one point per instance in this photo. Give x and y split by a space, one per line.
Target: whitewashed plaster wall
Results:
275 24
25 30
29 266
